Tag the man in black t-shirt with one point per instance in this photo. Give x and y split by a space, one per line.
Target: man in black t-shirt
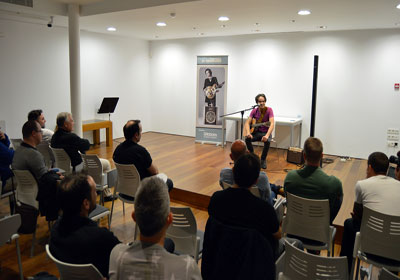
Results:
130 152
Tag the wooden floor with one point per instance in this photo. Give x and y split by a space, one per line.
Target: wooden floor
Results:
194 169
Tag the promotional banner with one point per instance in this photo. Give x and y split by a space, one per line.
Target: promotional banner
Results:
212 72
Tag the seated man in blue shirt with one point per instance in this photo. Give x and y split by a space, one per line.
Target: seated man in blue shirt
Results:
267 191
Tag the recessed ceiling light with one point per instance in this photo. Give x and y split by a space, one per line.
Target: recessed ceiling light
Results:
111 29
223 26
161 24
223 18
256 30
398 6
304 12
201 34
322 27
293 20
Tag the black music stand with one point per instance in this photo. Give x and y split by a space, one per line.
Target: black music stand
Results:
108 106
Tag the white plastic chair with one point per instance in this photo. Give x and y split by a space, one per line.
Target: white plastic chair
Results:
95 169
9 227
387 275
127 185
9 193
309 218
100 212
378 241
75 271
62 160
300 265
183 231
27 190
279 208
16 142
254 190
47 153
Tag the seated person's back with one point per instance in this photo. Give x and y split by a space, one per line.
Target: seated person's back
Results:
75 238
63 138
312 182
146 258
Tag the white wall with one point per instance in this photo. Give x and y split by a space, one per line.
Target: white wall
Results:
34 73
356 98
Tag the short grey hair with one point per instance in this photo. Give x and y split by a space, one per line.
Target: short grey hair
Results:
151 206
62 118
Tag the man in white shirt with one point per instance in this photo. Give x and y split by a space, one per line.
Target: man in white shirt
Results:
378 192
37 115
147 258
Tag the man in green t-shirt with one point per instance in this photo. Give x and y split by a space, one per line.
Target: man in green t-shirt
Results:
312 182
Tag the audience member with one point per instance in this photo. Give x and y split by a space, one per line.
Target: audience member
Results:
312 182
37 115
27 157
378 192
63 138
146 258
267 191
130 152
237 206
6 157
74 237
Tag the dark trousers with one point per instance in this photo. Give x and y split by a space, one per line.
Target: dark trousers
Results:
170 184
257 136
351 227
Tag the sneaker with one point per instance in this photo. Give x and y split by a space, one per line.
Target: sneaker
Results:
264 164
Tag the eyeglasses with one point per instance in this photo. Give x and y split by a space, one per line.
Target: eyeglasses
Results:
39 131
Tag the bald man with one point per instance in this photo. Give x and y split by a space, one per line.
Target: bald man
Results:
239 148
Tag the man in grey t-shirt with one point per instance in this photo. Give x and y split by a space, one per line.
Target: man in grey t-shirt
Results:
147 258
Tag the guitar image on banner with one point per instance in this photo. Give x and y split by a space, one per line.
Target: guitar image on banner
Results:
211 91
254 126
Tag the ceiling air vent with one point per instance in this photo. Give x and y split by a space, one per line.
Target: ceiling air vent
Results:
27 3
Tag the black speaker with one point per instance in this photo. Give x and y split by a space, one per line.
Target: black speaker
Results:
210 115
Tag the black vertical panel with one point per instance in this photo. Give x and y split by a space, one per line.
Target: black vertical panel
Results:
314 96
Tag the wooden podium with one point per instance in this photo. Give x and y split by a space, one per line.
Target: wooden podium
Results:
96 125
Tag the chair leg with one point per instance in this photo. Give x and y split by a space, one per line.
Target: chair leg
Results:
123 207
357 268
112 208
21 273
33 243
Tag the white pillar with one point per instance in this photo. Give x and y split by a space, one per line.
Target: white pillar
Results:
75 66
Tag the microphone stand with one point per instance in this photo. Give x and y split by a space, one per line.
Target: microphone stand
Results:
241 121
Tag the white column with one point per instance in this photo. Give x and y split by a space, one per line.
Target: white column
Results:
75 66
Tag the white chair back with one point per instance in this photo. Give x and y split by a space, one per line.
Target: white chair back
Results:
307 218
380 234
128 179
387 275
300 265
15 142
9 231
183 231
47 153
254 190
94 168
279 208
27 188
75 271
62 160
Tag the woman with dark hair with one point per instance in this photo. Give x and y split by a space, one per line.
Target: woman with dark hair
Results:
210 88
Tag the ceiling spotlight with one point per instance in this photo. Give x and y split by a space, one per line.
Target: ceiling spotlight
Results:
322 27
172 15
223 26
201 34
194 27
161 24
50 24
111 29
398 6
256 30
293 21
304 12
223 18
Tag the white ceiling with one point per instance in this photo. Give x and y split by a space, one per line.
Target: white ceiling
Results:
200 18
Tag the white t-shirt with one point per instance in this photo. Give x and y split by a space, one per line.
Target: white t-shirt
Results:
47 134
380 193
